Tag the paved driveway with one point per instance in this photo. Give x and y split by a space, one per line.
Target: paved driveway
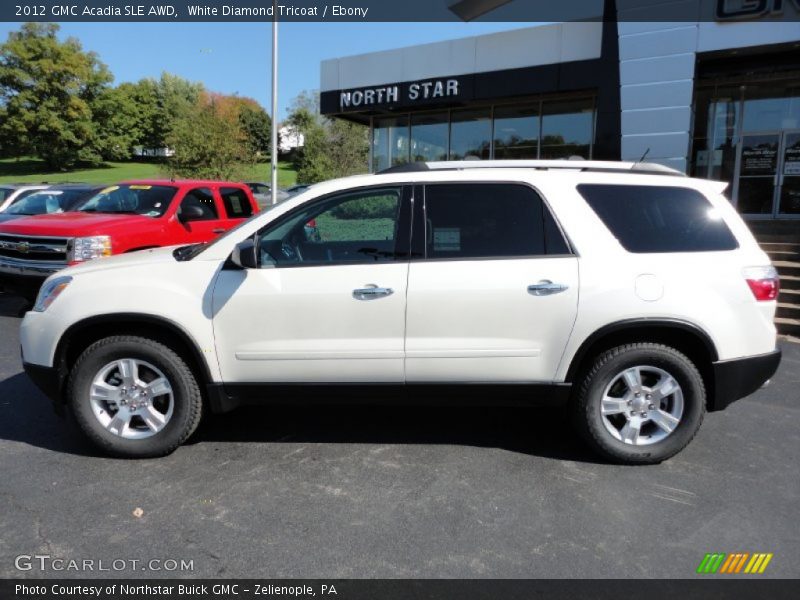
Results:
377 492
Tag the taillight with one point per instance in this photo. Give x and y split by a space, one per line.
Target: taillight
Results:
763 282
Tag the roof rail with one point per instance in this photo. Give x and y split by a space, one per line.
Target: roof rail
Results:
595 166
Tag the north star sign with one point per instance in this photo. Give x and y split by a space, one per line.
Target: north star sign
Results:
391 94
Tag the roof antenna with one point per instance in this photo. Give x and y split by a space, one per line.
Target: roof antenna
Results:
646 152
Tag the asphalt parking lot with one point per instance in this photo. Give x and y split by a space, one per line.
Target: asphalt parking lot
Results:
377 492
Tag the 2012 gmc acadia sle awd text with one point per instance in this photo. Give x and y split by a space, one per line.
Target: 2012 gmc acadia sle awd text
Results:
632 295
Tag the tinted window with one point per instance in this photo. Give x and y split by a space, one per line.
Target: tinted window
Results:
488 220
200 203
354 227
5 193
237 205
139 199
659 218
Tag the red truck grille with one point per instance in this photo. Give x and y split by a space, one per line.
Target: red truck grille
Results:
33 248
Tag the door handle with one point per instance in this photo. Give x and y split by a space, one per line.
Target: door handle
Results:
218 230
372 292
546 288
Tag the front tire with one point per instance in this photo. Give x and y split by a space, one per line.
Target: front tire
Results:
134 397
640 403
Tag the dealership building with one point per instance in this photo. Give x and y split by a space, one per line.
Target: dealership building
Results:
716 98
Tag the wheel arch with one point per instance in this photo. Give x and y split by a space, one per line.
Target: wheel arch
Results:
684 336
82 334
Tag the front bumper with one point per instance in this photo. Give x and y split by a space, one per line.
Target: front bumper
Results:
47 379
25 277
740 377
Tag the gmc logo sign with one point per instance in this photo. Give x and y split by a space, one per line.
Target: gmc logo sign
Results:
749 9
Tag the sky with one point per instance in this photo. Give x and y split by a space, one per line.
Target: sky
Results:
235 58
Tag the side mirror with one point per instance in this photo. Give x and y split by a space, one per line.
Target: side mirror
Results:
190 213
245 255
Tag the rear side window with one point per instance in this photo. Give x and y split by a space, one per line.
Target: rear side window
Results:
477 220
653 219
236 203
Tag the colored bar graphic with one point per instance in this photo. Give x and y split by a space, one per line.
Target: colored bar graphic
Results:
726 566
720 562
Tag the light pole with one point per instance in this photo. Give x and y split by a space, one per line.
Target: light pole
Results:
274 141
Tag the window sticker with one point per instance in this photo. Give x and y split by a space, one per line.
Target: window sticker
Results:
109 189
140 187
447 239
236 204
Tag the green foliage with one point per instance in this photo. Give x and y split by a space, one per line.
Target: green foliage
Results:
175 99
331 148
35 171
256 126
380 207
332 229
313 162
47 89
120 120
207 145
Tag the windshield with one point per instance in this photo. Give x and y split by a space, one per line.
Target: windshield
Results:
5 193
45 202
146 200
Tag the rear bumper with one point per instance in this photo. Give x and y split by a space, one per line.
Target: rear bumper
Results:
735 379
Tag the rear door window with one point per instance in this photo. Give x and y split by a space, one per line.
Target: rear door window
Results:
657 219
488 220
237 205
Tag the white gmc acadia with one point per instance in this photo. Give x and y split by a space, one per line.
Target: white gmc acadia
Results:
632 295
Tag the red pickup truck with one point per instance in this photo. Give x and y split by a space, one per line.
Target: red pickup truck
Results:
133 215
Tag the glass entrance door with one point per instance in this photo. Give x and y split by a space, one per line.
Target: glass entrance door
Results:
789 180
756 173
768 175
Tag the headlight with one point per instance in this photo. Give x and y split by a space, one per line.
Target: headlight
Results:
51 290
87 248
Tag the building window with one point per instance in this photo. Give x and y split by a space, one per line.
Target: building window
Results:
429 133
390 143
516 132
567 129
470 134
548 129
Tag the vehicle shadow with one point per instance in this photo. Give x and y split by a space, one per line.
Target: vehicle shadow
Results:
544 432
27 416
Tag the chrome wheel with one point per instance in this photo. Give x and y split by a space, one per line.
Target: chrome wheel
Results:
131 398
642 405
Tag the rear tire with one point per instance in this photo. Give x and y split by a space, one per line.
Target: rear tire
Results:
640 403
134 397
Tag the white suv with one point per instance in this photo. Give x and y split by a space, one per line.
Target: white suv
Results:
627 292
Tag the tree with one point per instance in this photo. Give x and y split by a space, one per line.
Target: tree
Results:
208 142
120 121
332 147
313 162
173 98
257 128
47 88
